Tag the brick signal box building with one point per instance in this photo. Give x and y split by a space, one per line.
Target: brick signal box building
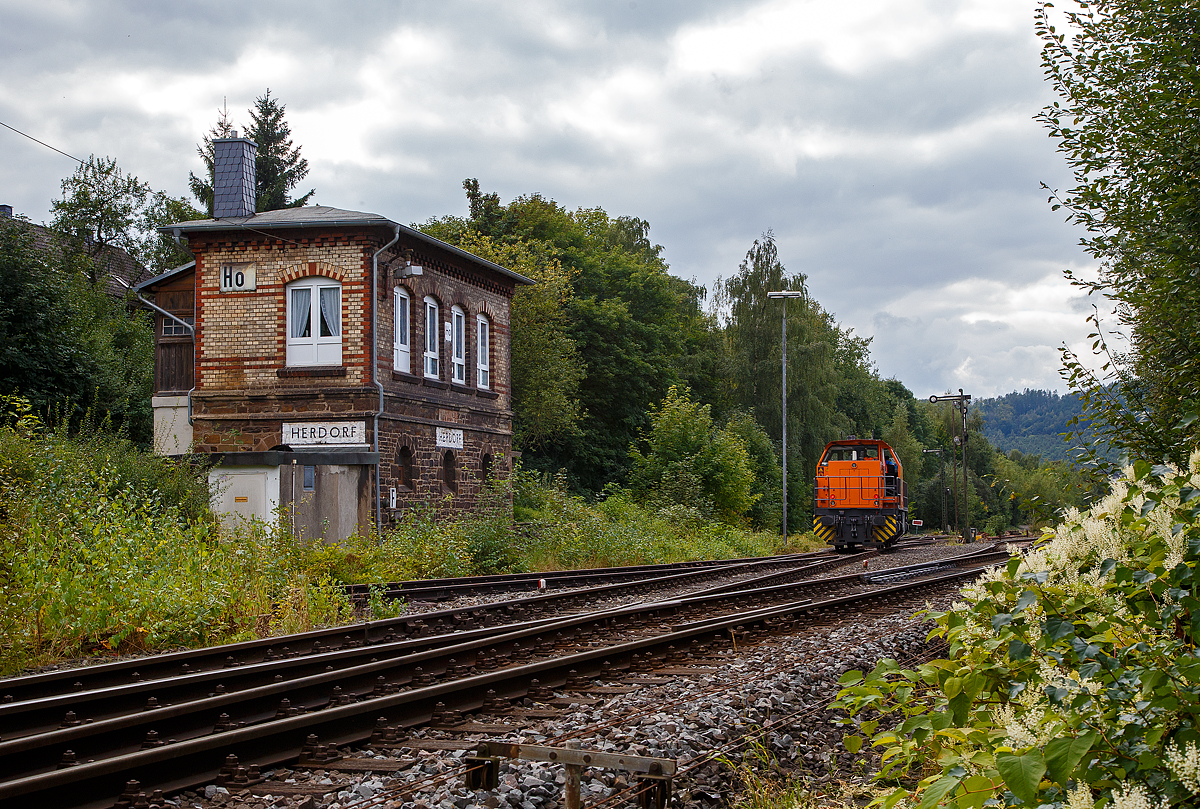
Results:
340 366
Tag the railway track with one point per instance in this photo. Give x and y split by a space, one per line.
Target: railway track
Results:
427 590
369 633
79 747
435 590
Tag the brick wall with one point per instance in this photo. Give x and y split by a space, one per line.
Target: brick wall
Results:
242 336
245 390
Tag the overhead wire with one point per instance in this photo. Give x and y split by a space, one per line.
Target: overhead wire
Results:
42 142
83 162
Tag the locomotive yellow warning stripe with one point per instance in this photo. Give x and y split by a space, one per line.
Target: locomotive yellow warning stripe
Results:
821 531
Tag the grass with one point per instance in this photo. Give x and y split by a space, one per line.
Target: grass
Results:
764 785
106 549
565 532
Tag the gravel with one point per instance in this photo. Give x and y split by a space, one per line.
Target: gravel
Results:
774 692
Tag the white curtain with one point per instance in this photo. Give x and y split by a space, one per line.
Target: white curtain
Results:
301 312
331 312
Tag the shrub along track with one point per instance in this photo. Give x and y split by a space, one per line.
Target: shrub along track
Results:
177 732
466 614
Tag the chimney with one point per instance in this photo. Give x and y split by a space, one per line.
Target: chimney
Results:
5 212
233 176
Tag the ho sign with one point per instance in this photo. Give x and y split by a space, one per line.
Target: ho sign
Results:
238 277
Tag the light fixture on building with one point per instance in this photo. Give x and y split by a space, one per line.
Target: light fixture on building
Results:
406 268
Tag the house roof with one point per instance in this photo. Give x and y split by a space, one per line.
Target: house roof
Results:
321 216
166 276
112 262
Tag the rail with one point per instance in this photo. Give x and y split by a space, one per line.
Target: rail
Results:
346 702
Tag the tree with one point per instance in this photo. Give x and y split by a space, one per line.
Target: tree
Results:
766 511
546 369
683 445
202 189
635 328
1127 124
900 438
753 364
104 210
66 345
278 167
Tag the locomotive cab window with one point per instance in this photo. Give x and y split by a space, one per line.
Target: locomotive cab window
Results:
851 453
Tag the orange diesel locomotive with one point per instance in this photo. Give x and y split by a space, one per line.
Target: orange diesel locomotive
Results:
860 497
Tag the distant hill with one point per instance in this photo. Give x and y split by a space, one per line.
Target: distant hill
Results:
1029 421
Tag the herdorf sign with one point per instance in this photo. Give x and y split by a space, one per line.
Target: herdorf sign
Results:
321 433
450 439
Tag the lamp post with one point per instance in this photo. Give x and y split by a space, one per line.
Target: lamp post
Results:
785 294
961 403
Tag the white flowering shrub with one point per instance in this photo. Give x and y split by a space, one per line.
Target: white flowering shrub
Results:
1073 679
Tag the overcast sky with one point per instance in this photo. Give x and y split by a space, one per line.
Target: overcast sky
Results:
889 144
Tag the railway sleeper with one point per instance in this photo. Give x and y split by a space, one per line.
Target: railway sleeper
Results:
719 639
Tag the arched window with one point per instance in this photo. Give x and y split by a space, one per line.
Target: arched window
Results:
483 352
458 345
432 333
404 459
450 471
485 468
402 340
314 322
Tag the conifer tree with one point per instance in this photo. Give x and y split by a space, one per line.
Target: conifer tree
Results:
279 167
202 189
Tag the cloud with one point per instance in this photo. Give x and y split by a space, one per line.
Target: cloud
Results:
889 144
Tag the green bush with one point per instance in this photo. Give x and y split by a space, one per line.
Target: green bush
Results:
1073 678
690 462
85 571
996 526
105 548
566 532
40 461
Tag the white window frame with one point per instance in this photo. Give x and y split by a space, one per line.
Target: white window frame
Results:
483 352
433 333
173 328
402 331
315 349
458 345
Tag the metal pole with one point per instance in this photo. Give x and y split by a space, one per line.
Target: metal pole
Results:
941 453
960 403
785 477
785 294
962 408
954 477
942 486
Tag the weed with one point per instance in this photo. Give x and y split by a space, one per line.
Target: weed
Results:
764 785
107 549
